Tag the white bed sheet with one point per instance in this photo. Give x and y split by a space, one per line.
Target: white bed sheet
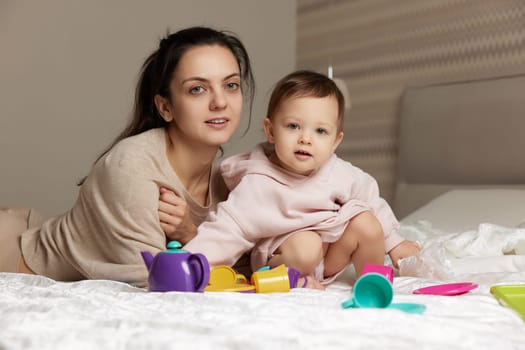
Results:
39 313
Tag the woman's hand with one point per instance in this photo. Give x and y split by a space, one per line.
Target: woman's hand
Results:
174 216
403 250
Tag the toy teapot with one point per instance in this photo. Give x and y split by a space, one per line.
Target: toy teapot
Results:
176 269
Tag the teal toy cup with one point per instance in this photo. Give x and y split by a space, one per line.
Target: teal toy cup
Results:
371 290
374 290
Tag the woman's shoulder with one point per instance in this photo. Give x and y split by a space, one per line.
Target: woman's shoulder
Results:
130 161
138 148
134 155
147 140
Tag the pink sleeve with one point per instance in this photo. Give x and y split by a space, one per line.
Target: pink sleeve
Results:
221 238
216 239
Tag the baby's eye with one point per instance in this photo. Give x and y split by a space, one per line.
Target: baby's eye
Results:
321 131
196 90
292 126
233 86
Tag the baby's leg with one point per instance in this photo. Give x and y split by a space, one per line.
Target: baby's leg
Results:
362 242
302 251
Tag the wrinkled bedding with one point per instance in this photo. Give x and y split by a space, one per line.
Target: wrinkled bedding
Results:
490 254
39 313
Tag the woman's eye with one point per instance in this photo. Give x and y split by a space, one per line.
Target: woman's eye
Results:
321 131
196 90
293 126
232 86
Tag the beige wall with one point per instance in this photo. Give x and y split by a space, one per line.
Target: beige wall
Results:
68 70
381 47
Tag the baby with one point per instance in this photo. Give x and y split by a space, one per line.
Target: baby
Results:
293 201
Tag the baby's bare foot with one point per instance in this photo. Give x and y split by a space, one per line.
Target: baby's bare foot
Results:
310 282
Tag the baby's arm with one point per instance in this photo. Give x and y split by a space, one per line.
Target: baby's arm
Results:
402 250
222 238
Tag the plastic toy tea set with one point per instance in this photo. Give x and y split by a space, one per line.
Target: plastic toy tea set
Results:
176 269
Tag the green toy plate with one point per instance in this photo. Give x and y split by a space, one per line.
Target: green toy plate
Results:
512 296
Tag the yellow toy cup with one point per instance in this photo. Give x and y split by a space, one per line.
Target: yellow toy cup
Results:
271 280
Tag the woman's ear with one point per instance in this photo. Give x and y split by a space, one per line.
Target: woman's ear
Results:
164 108
268 130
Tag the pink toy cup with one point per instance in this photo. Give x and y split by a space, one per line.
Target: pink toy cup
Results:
384 270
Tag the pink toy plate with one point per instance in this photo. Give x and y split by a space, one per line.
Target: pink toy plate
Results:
447 289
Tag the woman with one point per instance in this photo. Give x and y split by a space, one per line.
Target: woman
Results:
188 103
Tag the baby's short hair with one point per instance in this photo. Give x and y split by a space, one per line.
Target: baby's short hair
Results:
305 83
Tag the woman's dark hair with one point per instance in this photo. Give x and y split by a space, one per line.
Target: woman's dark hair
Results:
305 83
157 72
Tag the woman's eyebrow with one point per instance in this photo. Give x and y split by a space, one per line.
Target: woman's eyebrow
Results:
204 80
232 75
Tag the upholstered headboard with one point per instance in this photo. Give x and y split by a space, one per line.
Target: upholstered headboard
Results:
462 135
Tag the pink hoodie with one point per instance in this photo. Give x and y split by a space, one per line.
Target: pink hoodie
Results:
267 204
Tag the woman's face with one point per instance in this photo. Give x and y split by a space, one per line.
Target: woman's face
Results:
206 97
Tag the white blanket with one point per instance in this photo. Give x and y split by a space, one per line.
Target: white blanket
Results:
490 254
39 313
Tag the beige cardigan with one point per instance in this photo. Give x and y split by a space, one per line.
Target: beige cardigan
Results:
115 216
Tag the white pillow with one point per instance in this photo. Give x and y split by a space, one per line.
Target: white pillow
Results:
462 210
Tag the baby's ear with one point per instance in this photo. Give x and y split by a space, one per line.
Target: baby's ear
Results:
268 129
338 140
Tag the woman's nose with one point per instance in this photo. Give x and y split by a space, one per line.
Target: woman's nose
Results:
218 101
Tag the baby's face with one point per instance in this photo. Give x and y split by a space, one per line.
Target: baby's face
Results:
305 133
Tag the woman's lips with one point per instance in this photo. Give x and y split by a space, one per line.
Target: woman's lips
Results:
217 123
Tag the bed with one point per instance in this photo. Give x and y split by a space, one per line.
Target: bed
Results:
469 217
461 181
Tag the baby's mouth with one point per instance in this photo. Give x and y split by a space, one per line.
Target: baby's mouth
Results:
302 153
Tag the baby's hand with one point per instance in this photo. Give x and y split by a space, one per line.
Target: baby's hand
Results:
403 250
